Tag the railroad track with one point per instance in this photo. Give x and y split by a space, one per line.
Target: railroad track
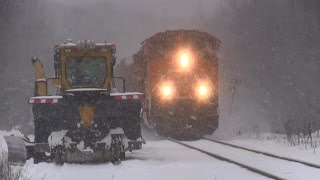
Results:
264 153
250 168
267 170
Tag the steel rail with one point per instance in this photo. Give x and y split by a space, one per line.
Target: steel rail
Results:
264 153
252 169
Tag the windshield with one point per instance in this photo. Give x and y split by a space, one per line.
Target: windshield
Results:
86 72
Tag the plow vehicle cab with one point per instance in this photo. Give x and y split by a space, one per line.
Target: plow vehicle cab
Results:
87 120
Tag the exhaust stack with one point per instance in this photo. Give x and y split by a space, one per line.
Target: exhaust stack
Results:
40 78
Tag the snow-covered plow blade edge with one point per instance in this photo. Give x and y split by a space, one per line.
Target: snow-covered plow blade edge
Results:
17 152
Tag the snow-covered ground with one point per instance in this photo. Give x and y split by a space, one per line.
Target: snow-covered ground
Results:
162 159
157 160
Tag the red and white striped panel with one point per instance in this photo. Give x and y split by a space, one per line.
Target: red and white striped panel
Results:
44 101
127 97
117 97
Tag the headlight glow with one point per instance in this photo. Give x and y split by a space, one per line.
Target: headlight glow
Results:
184 60
203 90
166 90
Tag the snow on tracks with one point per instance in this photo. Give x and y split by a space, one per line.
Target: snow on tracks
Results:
222 158
266 153
278 167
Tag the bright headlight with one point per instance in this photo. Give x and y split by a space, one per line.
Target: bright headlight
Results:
184 60
203 90
166 91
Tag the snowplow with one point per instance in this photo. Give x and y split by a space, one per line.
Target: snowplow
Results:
178 72
87 120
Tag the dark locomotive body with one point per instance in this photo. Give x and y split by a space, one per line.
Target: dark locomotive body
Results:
182 65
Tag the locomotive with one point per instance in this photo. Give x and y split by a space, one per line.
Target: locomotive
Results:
178 72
